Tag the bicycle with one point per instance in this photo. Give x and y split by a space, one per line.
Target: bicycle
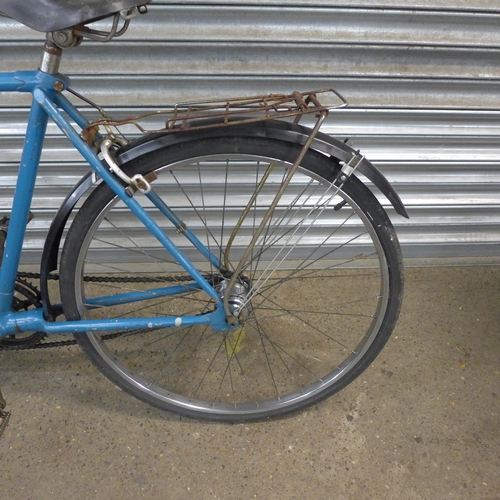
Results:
229 266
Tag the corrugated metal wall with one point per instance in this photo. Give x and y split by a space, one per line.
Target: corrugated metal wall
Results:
422 78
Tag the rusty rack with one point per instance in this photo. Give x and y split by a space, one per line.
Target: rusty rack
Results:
235 111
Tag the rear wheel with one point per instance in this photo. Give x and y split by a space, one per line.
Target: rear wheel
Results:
318 296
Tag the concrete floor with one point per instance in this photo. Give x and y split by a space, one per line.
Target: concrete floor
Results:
421 423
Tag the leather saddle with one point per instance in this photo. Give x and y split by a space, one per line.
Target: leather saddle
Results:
53 15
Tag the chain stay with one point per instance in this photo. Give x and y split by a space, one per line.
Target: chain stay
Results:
94 279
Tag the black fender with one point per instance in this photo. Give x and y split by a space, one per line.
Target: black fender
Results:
285 131
53 240
273 129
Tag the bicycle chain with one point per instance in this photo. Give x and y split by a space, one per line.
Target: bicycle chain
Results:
21 276
103 279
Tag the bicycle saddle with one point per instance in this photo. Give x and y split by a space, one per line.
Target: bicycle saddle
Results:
53 15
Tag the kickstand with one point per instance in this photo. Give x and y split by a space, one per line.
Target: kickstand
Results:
4 415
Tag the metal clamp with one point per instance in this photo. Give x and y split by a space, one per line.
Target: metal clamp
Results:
128 14
136 183
349 167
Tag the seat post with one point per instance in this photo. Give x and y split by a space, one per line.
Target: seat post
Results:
51 58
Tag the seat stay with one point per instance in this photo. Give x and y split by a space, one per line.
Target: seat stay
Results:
62 102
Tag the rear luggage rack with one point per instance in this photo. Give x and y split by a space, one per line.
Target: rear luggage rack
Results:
236 111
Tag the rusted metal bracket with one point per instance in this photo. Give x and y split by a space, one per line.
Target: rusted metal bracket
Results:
233 315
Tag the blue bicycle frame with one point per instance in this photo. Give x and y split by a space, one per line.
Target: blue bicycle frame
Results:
50 103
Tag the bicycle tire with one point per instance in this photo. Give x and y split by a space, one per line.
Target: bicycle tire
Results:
319 318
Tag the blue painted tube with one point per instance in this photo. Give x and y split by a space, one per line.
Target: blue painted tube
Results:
9 82
27 321
127 298
71 111
174 219
28 81
33 143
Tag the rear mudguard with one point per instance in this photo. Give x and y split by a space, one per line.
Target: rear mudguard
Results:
284 131
272 129
53 240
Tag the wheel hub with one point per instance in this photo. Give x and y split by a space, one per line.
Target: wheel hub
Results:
239 304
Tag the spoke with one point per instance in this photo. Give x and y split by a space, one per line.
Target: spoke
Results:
310 325
326 313
192 312
115 268
322 205
229 358
177 347
256 291
138 249
259 186
254 222
277 347
277 282
204 219
262 335
348 261
195 209
286 313
298 208
201 337
223 222
210 365
262 246
176 333
273 288
301 224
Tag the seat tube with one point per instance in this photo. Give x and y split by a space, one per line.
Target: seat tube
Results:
33 143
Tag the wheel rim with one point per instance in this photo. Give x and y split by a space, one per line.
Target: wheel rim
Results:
205 372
